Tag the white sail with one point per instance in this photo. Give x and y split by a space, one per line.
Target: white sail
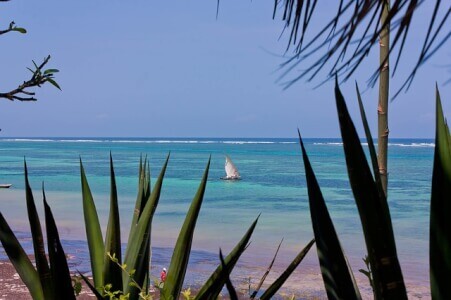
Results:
231 169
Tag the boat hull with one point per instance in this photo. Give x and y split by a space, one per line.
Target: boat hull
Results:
231 178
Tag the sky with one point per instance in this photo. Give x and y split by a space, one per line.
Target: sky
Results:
171 69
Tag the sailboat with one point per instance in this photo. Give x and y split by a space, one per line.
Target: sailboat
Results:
231 170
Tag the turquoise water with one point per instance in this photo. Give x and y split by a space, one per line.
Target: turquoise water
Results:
272 184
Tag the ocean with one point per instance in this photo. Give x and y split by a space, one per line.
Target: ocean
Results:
273 185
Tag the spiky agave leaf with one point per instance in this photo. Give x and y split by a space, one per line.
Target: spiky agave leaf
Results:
182 249
91 287
57 257
276 285
112 272
225 273
93 232
262 280
371 147
138 243
337 276
139 205
142 274
373 210
214 284
440 228
42 265
141 200
20 260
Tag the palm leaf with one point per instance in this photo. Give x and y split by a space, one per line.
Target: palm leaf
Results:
343 41
20 260
373 210
276 285
182 249
58 263
214 284
93 232
440 228
337 276
112 272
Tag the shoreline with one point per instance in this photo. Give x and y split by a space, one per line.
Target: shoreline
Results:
306 284
12 287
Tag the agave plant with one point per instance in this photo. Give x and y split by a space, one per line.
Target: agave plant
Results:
374 214
386 275
337 276
114 276
440 226
108 271
50 279
130 276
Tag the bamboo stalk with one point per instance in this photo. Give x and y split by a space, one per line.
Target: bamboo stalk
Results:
382 109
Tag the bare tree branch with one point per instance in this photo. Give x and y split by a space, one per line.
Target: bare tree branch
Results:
38 78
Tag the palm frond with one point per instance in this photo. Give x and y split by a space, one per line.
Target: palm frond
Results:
347 37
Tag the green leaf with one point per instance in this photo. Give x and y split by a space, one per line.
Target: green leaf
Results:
58 263
141 273
182 249
50 71
19 29
225 274
141 235
337 276
77 287
371 147
214 284
276 285
93 232
141 265
373 210
20 260
53 82
38 241
112 272
262 280
140 199
440 224
91 287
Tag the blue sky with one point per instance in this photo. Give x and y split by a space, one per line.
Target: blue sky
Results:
170 69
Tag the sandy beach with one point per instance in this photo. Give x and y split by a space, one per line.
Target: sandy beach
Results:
12 287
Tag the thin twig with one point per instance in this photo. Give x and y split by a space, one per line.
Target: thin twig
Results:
38 78
12 27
